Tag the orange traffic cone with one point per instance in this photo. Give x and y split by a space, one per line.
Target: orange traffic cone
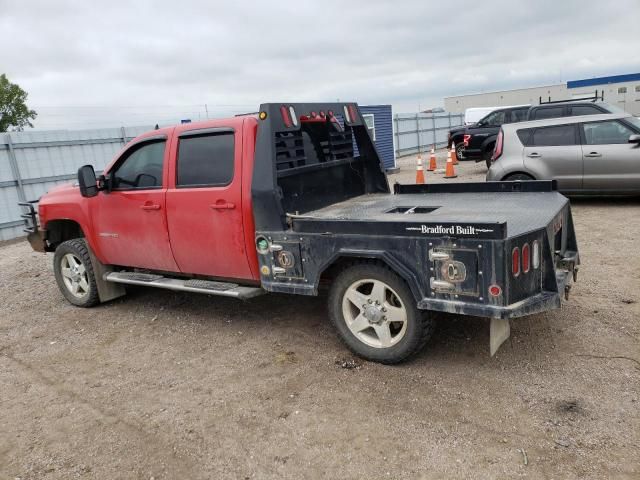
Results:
419 170
432 160
450 171
454 155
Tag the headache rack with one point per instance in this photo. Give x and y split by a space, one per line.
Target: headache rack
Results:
302 150
595 98
31 217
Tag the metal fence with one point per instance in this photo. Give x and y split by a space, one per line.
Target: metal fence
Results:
33 162
417 132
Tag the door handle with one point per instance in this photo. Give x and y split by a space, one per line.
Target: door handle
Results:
223 206
593 154
533 155
150 206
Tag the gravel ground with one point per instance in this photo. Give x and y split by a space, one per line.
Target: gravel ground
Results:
172 385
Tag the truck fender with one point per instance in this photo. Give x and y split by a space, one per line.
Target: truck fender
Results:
490 139
385 257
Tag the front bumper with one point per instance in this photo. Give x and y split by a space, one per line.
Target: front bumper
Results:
35 236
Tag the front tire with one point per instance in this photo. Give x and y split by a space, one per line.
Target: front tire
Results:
74 273
460 151
375 314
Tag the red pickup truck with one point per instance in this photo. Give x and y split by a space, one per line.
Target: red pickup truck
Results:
293 198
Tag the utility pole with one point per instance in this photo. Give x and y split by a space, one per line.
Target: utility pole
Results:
206 109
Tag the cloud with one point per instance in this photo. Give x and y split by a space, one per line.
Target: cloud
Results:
88 64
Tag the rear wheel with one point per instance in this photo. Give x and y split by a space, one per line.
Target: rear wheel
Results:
514 177
375 314
74 273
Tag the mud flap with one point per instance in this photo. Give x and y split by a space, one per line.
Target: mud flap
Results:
500 331
106 290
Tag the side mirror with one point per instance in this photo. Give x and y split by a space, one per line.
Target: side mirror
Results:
634 139
87 181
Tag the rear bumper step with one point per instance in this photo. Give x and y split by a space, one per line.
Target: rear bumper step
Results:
198 286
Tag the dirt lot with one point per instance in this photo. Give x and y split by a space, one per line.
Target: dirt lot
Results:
168 385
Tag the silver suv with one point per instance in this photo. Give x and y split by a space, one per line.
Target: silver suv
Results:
587 154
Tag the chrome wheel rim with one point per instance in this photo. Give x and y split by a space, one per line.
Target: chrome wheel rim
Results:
460 152
374 313
74 275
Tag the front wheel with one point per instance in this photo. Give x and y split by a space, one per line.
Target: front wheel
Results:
74 273
460 151
375 314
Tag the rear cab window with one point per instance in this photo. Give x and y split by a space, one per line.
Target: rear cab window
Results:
205 159
547 112
578 110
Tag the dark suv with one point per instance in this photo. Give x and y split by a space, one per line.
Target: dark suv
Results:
476 142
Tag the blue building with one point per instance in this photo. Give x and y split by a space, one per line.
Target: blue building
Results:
380 122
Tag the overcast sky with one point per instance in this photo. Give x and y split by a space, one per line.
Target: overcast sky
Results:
91 64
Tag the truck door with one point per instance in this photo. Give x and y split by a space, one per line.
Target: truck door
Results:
204 203
129 220
610 162
554 153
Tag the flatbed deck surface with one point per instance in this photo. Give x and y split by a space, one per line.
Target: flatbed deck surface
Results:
523 211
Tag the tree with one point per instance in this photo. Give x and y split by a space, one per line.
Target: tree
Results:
14 113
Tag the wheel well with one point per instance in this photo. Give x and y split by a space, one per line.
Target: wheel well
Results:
346 261
517 173
59 231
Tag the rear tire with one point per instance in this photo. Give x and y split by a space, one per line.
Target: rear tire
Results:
74 273
375 314
515 177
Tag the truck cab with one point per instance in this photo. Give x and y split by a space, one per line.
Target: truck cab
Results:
295 199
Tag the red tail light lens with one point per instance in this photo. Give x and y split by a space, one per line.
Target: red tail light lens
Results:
495 290
497 151
515 262
286 118
526 259
465 140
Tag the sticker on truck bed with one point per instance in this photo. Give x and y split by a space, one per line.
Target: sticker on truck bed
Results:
454 230
488 230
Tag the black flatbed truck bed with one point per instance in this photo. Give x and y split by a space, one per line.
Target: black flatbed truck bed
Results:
498 249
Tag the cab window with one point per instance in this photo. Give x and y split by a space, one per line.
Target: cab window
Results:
140 168
205 160
494 118
606 133
547 112
577 110
519 115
